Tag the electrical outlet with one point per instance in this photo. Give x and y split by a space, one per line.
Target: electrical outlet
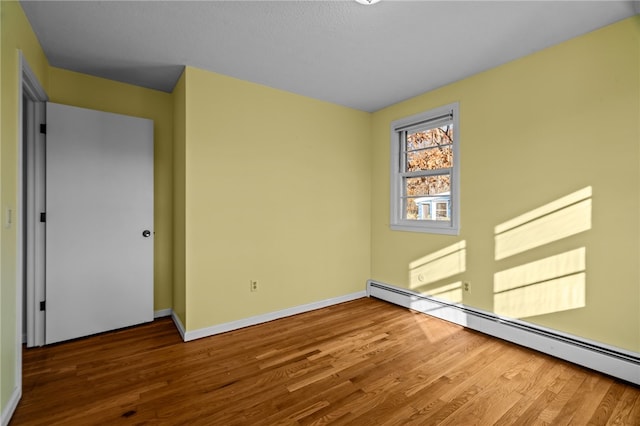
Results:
466 286
253 285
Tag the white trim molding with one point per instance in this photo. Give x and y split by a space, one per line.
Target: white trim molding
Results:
259 319
597 356
161 313
29 86
179 325
11 406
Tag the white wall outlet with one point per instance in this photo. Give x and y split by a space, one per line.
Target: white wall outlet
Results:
253 285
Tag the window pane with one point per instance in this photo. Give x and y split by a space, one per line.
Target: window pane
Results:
429 149
437 136
430 159
428 185
423 208
428 198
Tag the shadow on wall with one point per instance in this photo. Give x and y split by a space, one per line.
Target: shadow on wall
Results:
553 284
437 266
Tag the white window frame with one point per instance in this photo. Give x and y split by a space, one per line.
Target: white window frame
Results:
448 113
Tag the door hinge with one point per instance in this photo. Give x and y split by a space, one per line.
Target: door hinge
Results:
43 217
43 129
43 305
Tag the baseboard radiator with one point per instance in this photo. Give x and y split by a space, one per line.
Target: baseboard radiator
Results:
613 361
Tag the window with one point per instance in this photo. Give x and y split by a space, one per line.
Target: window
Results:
425 172
442 211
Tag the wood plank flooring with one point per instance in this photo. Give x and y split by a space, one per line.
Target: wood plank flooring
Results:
364 362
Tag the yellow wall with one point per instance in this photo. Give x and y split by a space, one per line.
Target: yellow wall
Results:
277 190
71 88
16 34
531 132
179 187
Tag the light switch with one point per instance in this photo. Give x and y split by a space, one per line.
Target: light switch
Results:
8 217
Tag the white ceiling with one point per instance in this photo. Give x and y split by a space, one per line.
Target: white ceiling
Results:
364 57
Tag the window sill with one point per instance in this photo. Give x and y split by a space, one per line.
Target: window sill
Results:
425 229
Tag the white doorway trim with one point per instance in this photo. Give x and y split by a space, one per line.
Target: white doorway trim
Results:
29 86
32 189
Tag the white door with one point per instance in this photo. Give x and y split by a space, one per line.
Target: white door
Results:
99 222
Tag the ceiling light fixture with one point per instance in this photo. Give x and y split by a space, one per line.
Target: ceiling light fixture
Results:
367 2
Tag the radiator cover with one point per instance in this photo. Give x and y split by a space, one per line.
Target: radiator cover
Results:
606 359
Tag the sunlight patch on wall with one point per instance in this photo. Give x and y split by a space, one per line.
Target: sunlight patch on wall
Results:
551 222
553 284
438 265
546 269
557 295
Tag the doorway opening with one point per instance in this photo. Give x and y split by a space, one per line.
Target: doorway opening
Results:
31 202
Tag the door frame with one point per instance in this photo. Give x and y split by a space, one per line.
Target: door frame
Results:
30 198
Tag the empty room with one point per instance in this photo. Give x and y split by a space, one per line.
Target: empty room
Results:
320 212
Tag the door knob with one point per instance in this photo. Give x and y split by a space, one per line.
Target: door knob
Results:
146 233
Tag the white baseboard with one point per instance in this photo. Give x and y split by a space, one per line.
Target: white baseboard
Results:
259 319
11 406
597 356
179 325
160 313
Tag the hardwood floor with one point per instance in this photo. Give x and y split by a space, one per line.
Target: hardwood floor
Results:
364 362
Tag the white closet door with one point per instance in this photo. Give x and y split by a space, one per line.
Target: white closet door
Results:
99 222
